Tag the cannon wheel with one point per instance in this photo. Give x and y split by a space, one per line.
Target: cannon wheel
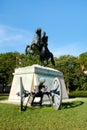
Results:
56 93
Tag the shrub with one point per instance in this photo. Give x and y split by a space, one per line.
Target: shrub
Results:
78 94
84 87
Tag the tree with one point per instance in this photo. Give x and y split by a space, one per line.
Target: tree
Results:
70 67
7 65
83 59
28 60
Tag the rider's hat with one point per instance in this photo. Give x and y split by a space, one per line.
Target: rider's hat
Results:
38 30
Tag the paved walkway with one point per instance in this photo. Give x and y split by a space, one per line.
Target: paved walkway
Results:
65 100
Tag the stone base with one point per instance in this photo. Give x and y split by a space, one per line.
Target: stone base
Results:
30 79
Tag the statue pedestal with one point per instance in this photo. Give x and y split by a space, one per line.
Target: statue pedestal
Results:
30 78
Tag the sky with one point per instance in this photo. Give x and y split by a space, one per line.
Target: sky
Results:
64 21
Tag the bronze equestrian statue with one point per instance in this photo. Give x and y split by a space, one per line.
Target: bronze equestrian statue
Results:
39 47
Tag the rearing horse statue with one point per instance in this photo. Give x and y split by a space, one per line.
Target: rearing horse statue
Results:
39 47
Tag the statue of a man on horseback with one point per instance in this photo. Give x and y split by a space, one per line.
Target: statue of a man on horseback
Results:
39 46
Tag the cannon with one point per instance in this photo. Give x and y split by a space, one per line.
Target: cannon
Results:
54 94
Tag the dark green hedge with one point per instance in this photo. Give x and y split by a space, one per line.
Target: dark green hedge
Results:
4 96
78 94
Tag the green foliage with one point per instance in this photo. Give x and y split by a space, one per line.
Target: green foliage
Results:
8 61
3 96
83 59
78 94
70 66
72 116
84 87
29 60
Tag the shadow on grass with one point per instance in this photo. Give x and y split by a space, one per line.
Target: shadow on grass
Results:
66 105
34 107
73 104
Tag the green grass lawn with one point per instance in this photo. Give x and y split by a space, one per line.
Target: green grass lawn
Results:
72 116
